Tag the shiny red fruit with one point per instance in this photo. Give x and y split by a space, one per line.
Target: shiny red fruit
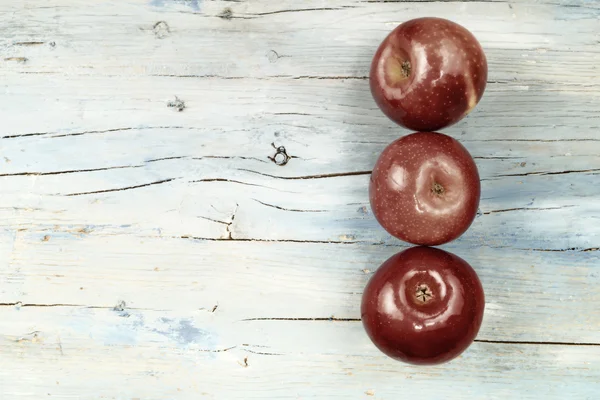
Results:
423 306
428 73
425 189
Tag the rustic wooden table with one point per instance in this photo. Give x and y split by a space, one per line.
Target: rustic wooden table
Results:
155 244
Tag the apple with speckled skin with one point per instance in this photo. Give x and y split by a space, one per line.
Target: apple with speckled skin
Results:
428 73
425 189
423 306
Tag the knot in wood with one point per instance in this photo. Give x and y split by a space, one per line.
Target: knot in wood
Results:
281 156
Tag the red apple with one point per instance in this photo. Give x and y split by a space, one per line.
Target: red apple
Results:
425 189
423 306
428 73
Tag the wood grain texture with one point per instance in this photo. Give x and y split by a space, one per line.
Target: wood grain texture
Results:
157 355
152 247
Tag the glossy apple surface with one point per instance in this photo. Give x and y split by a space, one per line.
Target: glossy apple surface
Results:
425 189
428 73
423 306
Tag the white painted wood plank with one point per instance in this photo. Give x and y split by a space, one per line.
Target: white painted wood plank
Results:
336 144
323 150
531 295
255 108
155 355
523 41
338 208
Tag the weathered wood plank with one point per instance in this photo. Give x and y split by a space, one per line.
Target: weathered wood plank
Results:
531 295
268 208
523 41
155 355
178 161
335 109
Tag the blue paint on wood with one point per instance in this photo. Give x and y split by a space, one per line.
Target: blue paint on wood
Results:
195 5
130 327
184 332
120 336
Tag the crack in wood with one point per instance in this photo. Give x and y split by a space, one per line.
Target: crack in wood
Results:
262 353
302 10
287 209
570 249
123 188
291 113
32 43
38 73
118 130
532 140
230 223
166 158
57 135
327 77
227 239
203 76
526 209
541 173
496 158
23 305
524 342
214 220
68 134
320 176
230 181
74 171
230 158
217 350
303 319
121 166
21 60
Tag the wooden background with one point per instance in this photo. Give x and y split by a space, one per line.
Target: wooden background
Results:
151 247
